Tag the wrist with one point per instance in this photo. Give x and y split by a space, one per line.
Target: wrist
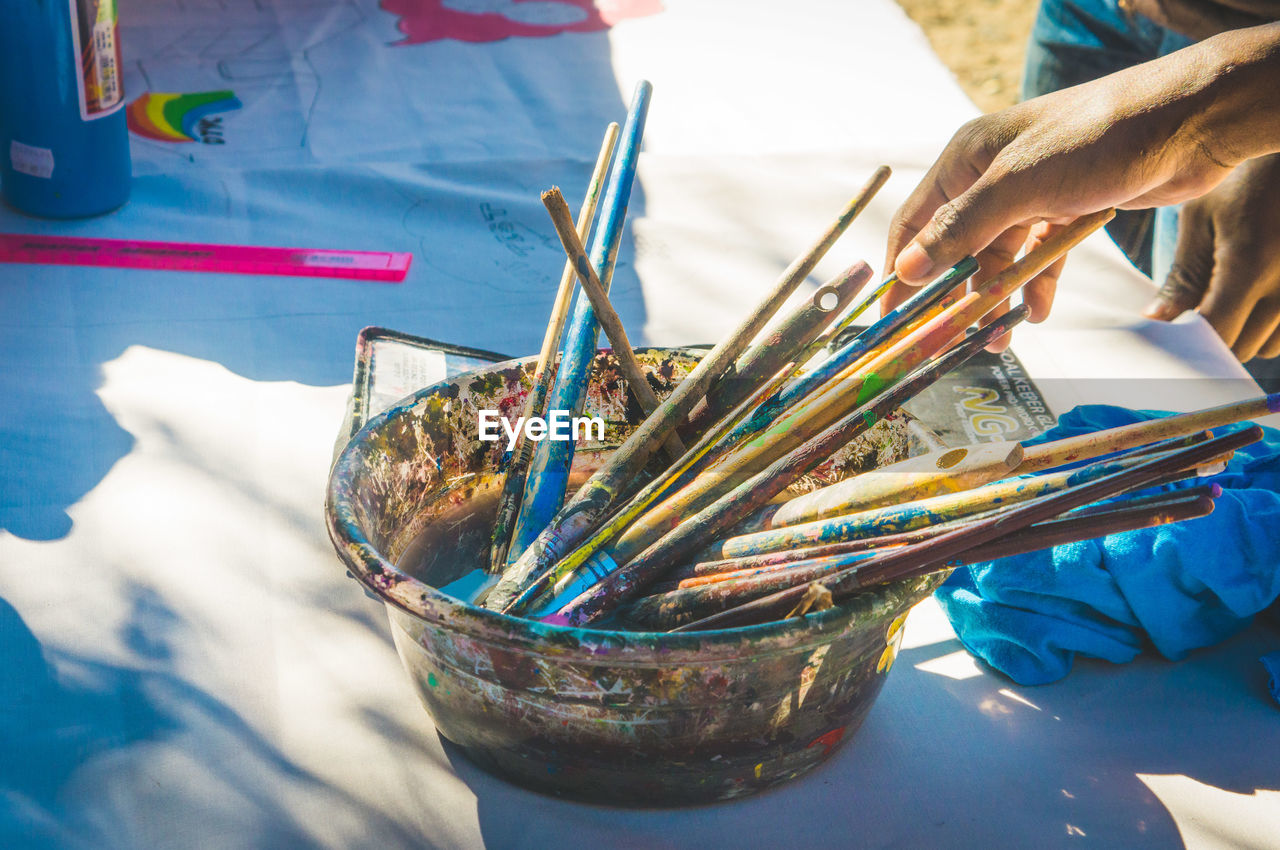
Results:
1240 115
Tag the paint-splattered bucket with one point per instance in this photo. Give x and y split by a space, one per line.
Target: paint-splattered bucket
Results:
629 718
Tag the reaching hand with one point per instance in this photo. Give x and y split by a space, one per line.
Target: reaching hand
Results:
1228 260
1152 135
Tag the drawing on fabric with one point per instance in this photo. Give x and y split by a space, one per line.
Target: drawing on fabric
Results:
479 21
171 117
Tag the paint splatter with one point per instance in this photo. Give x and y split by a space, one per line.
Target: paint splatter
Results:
828 740
481 21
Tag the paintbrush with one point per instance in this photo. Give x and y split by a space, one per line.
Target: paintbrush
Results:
735 567
1096 443
548 476
618 584
935 552
948 471
701 571
691 601
881 369
922 304
883 366
620 473
513 486
912 515
865 303
608 318
674 476
776 349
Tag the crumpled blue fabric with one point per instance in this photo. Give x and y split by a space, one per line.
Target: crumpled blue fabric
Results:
1173 588
1271 663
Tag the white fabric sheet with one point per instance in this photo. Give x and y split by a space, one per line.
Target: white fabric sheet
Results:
184 662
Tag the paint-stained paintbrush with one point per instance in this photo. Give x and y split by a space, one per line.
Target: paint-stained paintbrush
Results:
706 571
637 381
1098 443
909 516
776 348
600 493
859 384
694 601
513 485
936 552
949 471
869 376
671 478
618 584
924 303
548 476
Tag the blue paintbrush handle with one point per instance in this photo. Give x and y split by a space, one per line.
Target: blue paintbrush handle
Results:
549 472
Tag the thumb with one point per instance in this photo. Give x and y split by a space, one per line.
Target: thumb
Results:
960 228
1188 279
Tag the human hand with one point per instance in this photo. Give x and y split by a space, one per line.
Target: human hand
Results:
1152 135
1228 261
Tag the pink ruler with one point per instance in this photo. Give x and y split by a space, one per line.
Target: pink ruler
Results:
195 257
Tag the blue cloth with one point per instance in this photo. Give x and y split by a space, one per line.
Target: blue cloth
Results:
1272 665
1172 588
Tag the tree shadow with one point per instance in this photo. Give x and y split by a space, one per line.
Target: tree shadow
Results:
969 762
71 724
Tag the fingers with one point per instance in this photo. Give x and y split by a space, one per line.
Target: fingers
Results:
963 162
1231 303
966 225
1259 331
1038 292
1271 348
1188 280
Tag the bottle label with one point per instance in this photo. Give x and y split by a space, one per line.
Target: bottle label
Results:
93 34
30 160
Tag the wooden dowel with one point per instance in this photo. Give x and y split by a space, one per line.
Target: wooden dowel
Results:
608 318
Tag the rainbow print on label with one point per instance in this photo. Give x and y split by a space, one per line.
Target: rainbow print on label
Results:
168 117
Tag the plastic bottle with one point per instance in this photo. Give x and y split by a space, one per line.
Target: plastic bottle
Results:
64 145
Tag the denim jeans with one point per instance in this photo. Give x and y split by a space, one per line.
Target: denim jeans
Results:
1075 41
